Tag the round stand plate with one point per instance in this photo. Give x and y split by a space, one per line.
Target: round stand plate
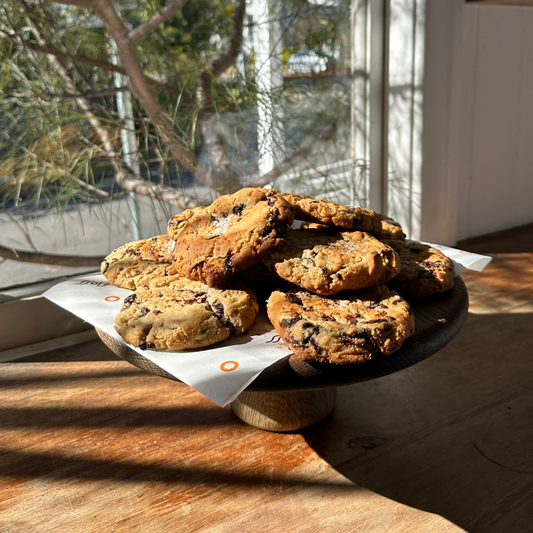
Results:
438 320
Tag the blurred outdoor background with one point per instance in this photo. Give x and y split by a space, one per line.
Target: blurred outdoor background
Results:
241 94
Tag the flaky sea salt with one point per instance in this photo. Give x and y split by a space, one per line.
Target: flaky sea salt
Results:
221 225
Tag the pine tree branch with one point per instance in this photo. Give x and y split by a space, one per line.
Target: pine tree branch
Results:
87 4
139 85
50 50
50 259
225 60
158 191
87 94
151 24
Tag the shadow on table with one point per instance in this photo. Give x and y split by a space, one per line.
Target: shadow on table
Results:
452 435
93 350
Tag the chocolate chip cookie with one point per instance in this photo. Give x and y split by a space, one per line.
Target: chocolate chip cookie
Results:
235 232
351 328
329 261
132 265
425 270
184 315
309 209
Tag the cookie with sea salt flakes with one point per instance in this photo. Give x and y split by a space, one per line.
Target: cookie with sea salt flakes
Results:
329 261
350 328
185 315
235 232
425 270
310 209
132 265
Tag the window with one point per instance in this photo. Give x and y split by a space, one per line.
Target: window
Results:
106 132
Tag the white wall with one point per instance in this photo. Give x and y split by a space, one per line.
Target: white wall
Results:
406 113
477 174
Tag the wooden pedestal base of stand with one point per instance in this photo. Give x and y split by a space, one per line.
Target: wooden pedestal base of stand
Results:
284 411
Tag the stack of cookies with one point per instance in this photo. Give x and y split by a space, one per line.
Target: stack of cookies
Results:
334 288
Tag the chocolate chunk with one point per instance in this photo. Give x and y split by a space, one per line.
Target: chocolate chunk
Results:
218 310
426 274
131 299
144 311
293 298
318 349
238 209
376 305
228 264
147 346
275 225
310 331
293 341
348 339
289 322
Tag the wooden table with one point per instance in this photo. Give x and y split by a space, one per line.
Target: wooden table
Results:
446 444
101 446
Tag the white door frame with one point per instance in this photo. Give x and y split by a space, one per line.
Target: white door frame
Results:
387 113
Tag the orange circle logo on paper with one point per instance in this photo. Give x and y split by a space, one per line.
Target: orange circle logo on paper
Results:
229 366
112 299
463 252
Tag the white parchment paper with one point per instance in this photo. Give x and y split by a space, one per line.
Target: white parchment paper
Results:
463 260
219 372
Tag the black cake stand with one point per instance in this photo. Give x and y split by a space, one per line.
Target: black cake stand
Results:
291 394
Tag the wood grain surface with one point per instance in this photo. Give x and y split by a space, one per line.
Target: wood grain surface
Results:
446 444
101 446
